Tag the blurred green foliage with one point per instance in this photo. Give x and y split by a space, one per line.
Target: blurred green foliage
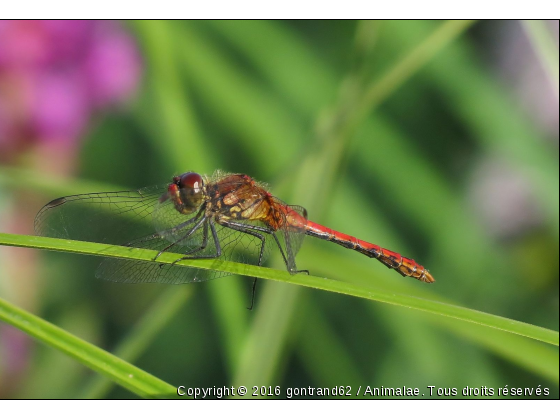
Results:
375 128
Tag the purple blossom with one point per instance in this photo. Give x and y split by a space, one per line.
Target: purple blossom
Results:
111 74
55 74
60 106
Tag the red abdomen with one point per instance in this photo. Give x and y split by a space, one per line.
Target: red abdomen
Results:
405 266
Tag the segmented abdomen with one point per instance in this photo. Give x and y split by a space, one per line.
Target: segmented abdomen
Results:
405 266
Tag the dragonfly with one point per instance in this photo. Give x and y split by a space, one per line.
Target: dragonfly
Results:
230 217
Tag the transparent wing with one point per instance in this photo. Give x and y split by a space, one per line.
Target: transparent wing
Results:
109 217
124 218
171 224
291 234
235 246
138 219
131 271
246 247
297 235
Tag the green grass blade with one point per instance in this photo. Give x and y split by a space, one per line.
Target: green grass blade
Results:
306 81
263 354
337 137
178 134
499 127
263 125
381 89
319 171
123 373
347 370
229 300
170 106
534 356
142 335
413 302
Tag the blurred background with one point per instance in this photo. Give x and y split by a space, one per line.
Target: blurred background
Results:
437 140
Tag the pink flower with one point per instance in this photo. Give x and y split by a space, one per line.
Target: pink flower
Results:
55 74
111 73
59 109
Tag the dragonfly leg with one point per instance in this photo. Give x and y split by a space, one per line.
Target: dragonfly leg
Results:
253 294
163 233
286 260
182 238
270 232
250 230
192 251
281 251
247 228
205 241
180 226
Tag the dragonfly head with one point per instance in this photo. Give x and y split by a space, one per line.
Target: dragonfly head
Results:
186 191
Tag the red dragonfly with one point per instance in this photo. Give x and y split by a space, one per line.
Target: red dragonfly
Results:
226 216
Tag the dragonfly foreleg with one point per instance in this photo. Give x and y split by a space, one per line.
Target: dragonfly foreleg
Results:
204 244
182 238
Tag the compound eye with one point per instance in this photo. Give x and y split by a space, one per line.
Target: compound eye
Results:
191 180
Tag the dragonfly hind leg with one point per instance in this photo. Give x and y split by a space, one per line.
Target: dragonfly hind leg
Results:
255 231
250 230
